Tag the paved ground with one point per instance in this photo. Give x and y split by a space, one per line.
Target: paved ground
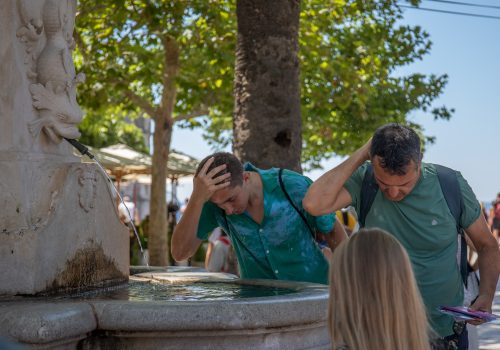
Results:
489 334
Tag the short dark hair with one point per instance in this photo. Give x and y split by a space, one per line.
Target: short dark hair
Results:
396 145
233 166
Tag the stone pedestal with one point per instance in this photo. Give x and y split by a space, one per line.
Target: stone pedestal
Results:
59 228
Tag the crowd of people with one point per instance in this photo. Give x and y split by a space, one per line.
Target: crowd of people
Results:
386 280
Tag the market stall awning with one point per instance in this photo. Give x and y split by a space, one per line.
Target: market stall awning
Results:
121 160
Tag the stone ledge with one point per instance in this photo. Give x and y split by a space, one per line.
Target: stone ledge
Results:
42 323
281 322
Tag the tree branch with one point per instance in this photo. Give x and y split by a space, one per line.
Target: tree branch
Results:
199 113
140 102
169 75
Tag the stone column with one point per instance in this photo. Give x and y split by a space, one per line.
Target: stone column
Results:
59 228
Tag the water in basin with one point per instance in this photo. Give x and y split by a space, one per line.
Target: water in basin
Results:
158 291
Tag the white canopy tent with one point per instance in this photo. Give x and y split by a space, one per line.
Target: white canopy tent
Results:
125 163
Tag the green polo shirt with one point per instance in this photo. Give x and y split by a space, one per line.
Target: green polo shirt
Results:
282 247
425 226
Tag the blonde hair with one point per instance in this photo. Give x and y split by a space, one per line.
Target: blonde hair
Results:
374 299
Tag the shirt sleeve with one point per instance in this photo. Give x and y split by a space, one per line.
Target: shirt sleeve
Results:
353 185
208 220
472 208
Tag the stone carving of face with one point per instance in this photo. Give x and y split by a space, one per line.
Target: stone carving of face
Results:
87 191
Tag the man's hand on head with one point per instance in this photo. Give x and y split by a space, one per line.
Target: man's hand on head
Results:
365 149
206 183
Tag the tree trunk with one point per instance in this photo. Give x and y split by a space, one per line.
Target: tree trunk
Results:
157 244
267 122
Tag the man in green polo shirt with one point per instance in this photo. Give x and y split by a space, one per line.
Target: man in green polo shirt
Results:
270 238
410 205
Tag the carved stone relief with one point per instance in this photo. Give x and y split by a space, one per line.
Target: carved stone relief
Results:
48 37
87 191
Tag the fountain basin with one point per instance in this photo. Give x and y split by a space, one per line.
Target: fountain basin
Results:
293 318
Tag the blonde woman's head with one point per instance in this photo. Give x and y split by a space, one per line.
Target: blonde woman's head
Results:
374 299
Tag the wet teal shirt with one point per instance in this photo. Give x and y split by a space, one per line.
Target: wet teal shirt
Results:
282 247
425 226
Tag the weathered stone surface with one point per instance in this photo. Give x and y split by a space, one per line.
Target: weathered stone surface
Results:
36 107
284 322
46 323
59 227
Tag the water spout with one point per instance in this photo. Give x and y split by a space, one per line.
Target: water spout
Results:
85 152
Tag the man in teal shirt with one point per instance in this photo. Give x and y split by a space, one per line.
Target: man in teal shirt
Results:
270 238
410 205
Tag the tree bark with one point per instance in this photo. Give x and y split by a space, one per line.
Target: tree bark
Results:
267 121
157 244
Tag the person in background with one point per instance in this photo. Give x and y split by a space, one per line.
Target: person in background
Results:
124 209
485 212
183 207
126 212
494 217
410 204
172 209
219 249
374 299
272 235
347 216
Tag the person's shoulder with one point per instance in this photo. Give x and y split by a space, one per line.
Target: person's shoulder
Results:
431 169
250 167
428 170
293 178
361 170
359 174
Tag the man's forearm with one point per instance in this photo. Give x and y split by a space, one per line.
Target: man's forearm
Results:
184 241
322 196
489 267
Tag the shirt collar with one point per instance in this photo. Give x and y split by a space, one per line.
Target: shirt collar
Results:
269 177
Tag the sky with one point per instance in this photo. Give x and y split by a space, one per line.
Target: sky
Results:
468 50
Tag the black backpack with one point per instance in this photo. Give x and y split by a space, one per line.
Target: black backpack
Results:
452 194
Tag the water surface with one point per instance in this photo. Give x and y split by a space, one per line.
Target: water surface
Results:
157 291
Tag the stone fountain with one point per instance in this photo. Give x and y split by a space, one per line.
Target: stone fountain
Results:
58 224
60 232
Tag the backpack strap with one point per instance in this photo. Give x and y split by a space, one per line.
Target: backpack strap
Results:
282 185
453 196
369 189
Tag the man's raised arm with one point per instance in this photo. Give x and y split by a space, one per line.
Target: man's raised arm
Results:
184 241
327 194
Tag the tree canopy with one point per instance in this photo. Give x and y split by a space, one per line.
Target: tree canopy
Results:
350 56
120 48
350 52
